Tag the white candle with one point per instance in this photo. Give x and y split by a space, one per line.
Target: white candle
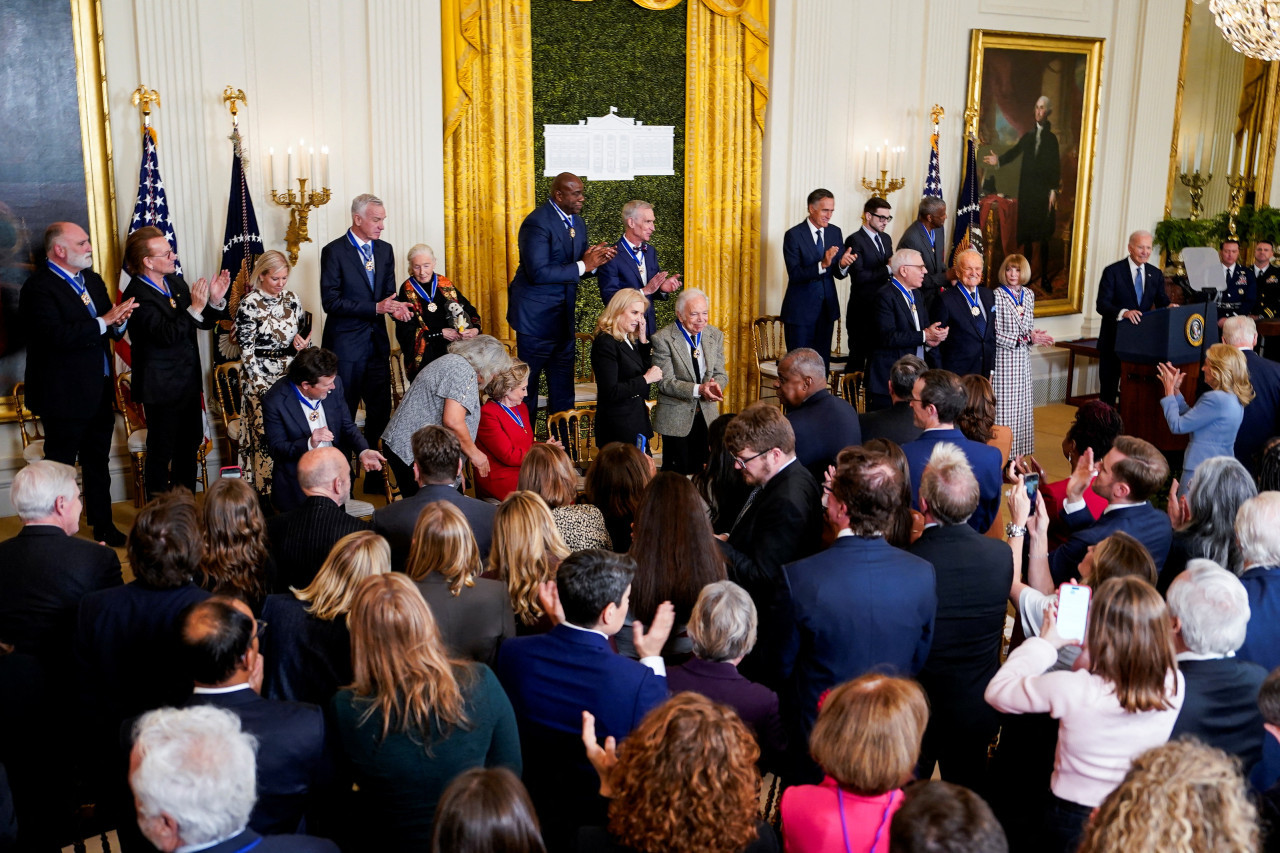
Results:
1199 151
1182 161
271 170
1231 155
324 165
1244 152
293 170
866 155
313 167
1256 150
877 162
1213 153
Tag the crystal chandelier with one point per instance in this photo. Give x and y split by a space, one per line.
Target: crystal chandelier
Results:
1252 27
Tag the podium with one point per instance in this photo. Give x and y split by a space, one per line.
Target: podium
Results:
1179 334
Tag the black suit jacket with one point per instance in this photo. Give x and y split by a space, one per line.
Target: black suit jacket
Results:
1220 707
288 435
966 350
293 763
65 350
1262 416
824 425
164 343
273 844
396 521
353 328
302 538
1116 294
895 423
621 389
305 659
473 623
867 275
1142 521
897 336
935 257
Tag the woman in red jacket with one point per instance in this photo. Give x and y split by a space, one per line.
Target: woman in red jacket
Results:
506 431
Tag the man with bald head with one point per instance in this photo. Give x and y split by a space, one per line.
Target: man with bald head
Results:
1262 416
823 423
554 257
301 538
70 323
1128 288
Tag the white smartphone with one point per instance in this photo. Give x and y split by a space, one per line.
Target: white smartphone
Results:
1073 610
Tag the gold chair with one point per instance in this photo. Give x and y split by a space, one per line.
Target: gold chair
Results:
389 486
579 427
226 382
399 378
510 344
584 378
29 426
769 347
655 443
135 426
839 360
854 390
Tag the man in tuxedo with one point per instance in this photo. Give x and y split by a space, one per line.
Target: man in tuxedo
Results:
302 538
896 423
541 302
1038 179
969 313
1262 416
1130 473
358 287
781 522
811 306
636 263
937 400
690 354
300 414
1241 293
902 325
823 423
555 680
1210 611
70 324
872 247
1128 288
927 237
193 773
845 619
220 649
972 573
437 465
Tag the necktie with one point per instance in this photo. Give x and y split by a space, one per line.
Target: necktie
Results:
879 246
1230 270
367 251
818 241
697 369
1137 286
746 506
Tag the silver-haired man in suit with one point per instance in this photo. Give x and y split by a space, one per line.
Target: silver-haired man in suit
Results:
690 352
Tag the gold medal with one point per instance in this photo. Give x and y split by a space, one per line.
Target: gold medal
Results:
697 353
368 265
973 309
84 297
432 307
314 416
172 303
572 233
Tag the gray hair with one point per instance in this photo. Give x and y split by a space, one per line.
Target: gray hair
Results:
948 486
929 205
486 354
631 208
1141 232
420 249
198 767
806 362
1220 486
903 257
1048 104
981 260
1240 331
1212 606
686 295
723 623
361 203
37 487
1258 530
903 375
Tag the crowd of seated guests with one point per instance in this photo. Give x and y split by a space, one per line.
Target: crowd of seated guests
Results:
763 656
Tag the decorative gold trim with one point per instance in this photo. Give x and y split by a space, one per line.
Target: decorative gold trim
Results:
1195 330
1177 112
1092 49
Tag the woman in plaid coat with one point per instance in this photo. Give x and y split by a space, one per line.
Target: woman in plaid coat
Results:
1015 335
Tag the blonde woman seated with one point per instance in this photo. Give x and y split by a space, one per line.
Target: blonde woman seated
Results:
526 551
412 719
622 362
307 652
1215 418
547 471
473 613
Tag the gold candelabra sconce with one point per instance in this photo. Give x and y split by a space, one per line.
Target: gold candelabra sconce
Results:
1195 184
888 159
1238 184
302 166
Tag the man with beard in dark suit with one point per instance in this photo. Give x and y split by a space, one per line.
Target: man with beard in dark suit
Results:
872 247
70 323
1038 179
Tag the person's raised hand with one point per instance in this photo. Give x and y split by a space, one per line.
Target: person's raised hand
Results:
199 295
603 759
321 435
221 283
848 257
1179 508
1019 502
653 374
672 284
119 313
829 255
1082 476
549 598
597 255
371 460
659 279
1049 628
649 643
1038 526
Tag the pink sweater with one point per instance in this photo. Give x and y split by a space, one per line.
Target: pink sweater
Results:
1097 739
811 821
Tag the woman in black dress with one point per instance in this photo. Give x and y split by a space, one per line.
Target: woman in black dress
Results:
620 359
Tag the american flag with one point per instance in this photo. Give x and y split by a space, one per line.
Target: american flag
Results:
933 182
968 228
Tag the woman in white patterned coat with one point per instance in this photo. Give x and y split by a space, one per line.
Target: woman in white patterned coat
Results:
1015 335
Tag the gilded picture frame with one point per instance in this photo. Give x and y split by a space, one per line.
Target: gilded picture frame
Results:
35 193
1035 101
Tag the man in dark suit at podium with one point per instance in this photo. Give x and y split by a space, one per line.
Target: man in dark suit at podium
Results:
554 257
811 306
1128 288
636 263
357 287
872 247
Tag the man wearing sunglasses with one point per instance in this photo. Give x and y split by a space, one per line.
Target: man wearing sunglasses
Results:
872 247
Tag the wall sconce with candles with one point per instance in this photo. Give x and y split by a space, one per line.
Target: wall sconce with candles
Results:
1239 178
1195 182
301 167
888 159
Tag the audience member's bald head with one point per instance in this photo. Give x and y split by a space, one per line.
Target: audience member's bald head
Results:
320 472
218 635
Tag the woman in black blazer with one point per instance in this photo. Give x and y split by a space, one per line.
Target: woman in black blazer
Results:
620 359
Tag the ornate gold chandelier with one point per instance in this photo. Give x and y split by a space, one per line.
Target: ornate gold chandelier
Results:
1252 27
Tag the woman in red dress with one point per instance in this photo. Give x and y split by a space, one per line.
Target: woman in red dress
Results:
506 431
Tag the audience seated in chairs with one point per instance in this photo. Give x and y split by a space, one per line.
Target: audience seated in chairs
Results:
307 654
547 472
823 423
1204 520
614 483
527 549
236 561
896 423
486 810
937 816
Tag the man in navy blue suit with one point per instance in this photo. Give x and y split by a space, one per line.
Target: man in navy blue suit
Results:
1129 474
969 313
810 307
872 247
358 287
862 604
938 399
300 414
823 423
636 262
541 302
1260 416
557 678
1128 288
902 324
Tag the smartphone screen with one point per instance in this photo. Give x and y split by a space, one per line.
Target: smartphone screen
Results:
1073 610
231 471
1032 483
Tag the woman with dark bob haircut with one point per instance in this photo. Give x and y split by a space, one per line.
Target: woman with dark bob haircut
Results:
867 742
684 781
614 483
486 811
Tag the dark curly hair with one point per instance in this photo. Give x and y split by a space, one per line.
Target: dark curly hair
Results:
165 545
979 414
235 543
686 780
1096 426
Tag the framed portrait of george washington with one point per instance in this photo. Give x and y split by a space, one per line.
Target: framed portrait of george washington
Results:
1036 103
56 162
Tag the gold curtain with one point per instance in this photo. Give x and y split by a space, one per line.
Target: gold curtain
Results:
487 58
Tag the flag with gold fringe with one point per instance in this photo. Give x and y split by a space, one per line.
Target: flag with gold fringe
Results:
967 231
241 246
